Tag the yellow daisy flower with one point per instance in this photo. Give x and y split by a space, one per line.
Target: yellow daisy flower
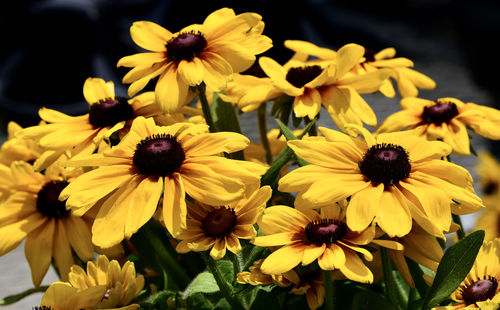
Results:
151 162
224 44
221 227
122 284
62 296
445 119
488 171
33 211
391 178
17 148
82 135
306 236
480 289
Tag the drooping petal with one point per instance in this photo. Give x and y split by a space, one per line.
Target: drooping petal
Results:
174 204
38 250
363 207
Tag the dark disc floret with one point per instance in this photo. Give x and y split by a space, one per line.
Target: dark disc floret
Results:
220 222
108 112
159 154
441 112
386 163
186 46
300 76
480 290
490 188
326 231
48 202
42 308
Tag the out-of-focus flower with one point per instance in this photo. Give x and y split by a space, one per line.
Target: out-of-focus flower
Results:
151 162
488 172
211 52
33 211
82 135
391 178
445 119
17 148
221 227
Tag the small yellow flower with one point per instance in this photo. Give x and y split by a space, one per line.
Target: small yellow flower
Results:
211 52
445 119
62 296
255 276
221 227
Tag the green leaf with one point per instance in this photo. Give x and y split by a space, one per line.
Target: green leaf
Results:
290 136
17 297
392 290
417 275
370 300
454 267
203 283
227 269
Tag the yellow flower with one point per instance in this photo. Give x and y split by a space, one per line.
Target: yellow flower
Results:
445 119
255 276
151 162
17 148
122 284
82 135
489 221
488 171
32 211
224 44
62 296
221 227
480 288
391 178
306 236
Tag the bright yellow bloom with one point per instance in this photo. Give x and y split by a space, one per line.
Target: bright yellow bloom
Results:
255 276
488 171
211 52
62 296
82 135
151 162
306 236
122 284
391 178
221 227
17 148
445 119
32 211
480 288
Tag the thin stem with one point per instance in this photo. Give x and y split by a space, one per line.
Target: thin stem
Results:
314 130
460 231
221 282
262 120
236 262
206 108
329 290
390 281
15 298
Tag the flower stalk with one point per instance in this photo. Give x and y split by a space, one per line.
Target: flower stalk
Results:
202 89
262 121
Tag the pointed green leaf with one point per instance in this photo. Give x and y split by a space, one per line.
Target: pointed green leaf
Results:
225 119
203 283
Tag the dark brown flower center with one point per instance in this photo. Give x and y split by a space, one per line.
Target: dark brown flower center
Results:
186 46
42 308
48 202
386 163
108 112
326 231
219 222
441 112
159 155
480 290
490 188
300 76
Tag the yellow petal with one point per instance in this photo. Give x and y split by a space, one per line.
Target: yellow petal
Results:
95 89
38 250
363 207
63 257
150 36
192 72
283 259
354 269
171 91
333 258
347 57
174 204
393 215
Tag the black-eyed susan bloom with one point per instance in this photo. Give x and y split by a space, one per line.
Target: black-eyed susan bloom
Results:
151 162
220 228
480 290
445 119
82 135
33 212
211 52
307 236
391 178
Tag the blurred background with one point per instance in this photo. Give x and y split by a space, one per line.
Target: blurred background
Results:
49 48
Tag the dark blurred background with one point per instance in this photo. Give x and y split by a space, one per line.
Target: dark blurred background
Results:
49 47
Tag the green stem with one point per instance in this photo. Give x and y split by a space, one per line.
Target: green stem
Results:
206 108
236 262
221 282
329 290
17 297
314 130
389 280
460 231
262 120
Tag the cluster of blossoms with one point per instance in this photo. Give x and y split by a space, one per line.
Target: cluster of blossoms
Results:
165 178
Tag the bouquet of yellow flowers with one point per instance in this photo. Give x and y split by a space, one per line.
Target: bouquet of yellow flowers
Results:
157 199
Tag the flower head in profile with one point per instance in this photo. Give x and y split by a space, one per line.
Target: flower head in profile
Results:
63 296
82 135
220 228
445 119
211 52
33 212
392 179
121 283
152 162
480 290
306 236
